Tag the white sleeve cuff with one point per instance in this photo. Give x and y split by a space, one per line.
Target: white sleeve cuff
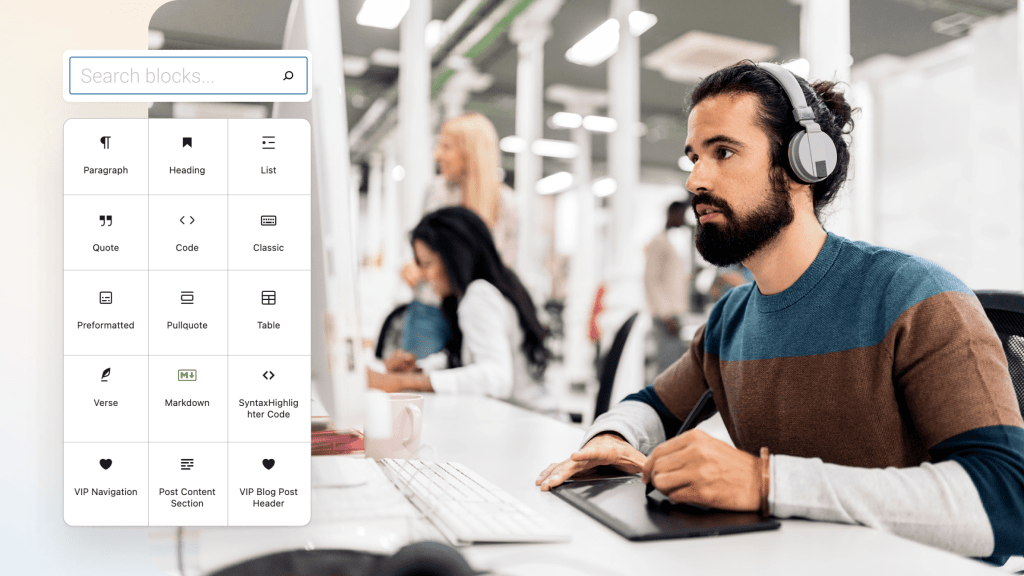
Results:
635 421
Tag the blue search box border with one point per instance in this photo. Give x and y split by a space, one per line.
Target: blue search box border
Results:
70 68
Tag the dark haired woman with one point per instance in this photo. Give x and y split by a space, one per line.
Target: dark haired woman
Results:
497 344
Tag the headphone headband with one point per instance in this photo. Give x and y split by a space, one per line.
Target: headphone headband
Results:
801 111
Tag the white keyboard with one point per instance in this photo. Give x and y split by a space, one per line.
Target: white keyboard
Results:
465 507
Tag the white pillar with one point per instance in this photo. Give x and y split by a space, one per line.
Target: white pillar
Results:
414 110
374 207
825 38
582 267
624 143
395 230
530 31
456 91
862 187
825 44
1020 91
625 275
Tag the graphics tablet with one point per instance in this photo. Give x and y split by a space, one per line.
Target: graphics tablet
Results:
622 505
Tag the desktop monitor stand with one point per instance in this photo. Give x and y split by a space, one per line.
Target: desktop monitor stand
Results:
339 471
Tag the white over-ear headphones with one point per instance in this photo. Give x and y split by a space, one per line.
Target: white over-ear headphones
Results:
812 153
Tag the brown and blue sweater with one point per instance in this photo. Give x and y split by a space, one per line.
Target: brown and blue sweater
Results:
881 390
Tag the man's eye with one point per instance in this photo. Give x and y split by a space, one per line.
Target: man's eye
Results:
723 153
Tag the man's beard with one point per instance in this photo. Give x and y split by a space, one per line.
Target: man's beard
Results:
736 239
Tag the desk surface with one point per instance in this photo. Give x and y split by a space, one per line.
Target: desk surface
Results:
510 446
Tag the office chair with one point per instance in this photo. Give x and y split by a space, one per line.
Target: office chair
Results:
1006 312
610 365
390 337
417 559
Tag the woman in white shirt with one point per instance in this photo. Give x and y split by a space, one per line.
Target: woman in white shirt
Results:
469 163
496 347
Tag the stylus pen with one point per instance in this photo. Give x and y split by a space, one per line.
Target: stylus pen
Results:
691 421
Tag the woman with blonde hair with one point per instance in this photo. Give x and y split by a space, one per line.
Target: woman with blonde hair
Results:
470 165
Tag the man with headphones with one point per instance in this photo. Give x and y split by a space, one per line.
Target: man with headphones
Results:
859 384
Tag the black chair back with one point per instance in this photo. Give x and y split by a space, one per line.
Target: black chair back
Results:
390 332
1006 311
611 365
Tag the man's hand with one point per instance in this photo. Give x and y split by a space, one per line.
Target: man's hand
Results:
697 469
412 274
401 361
603 449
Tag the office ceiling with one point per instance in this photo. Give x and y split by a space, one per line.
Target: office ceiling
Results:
896 27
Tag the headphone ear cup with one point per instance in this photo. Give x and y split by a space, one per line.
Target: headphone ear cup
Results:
812 155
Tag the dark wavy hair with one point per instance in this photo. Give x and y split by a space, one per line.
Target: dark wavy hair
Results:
467 250
831 111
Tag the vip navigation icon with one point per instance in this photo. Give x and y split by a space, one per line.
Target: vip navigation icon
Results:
187 463
106 463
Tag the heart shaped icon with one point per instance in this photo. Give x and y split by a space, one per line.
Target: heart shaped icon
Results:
105 463
268 463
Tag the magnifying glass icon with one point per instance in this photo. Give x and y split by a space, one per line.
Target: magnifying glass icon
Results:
288 75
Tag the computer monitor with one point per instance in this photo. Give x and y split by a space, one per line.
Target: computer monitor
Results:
338 369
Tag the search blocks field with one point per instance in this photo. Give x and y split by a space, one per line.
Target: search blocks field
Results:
187 75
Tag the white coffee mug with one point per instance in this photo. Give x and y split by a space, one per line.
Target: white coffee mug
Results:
406 429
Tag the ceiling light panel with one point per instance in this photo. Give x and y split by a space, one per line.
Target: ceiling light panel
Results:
600 124
604 187
640 22
597 46
512 144
566 120
696 54
385 14
555 148
557 182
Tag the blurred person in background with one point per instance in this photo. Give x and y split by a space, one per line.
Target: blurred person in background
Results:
469 162
496 346
666 283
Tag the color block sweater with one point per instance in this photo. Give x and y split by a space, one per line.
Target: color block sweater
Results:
881 389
